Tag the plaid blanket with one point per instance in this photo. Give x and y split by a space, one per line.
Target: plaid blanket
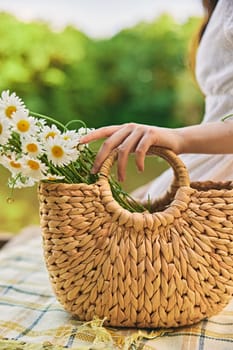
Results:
32 319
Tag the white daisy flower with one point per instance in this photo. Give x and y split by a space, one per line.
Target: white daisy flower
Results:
4 131
51 177
50 132
13 164
33 168
9 104
82 132
71 136
59 151
41 123
24 124
20 181
31 146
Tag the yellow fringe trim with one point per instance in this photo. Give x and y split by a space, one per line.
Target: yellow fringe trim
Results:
99 337
114 338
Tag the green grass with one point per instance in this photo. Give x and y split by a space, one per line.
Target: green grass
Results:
24 210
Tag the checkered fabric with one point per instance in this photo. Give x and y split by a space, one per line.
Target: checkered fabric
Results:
32 319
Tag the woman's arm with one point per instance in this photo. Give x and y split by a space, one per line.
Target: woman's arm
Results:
129 138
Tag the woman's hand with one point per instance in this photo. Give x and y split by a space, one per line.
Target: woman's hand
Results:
131 138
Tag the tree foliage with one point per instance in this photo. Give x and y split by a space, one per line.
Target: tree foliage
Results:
138 75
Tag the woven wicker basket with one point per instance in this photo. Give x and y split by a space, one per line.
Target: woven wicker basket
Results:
170 268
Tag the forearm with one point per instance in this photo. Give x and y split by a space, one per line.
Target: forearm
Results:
208 138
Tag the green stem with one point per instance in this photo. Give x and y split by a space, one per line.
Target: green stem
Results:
77 174
56 170
10 198
124 198
15 142
76 121
49 118
226 117
66 173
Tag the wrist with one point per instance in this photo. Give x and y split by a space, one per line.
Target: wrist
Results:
181 141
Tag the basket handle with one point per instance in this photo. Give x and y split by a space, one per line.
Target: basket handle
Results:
181 177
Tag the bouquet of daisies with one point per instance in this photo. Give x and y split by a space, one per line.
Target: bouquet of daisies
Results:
33 150
37 148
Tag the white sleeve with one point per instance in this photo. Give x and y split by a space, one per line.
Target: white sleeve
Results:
228 23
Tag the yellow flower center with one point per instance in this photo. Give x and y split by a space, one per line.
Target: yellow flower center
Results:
57 151
1 128
15 165
10 110
23 125
66 138
32 147
51 134
51 178
34 165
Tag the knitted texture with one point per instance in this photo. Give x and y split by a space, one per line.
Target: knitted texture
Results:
168 268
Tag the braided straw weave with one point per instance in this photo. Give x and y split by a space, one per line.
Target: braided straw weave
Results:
168 268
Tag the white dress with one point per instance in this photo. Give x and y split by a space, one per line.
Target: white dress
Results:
214 73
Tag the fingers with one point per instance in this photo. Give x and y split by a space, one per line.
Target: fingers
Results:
127 138
111 143
125 149
142 148
99 133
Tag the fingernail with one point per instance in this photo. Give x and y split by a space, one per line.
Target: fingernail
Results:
140 169
120 179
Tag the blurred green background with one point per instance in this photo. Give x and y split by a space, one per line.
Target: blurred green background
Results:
140 75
